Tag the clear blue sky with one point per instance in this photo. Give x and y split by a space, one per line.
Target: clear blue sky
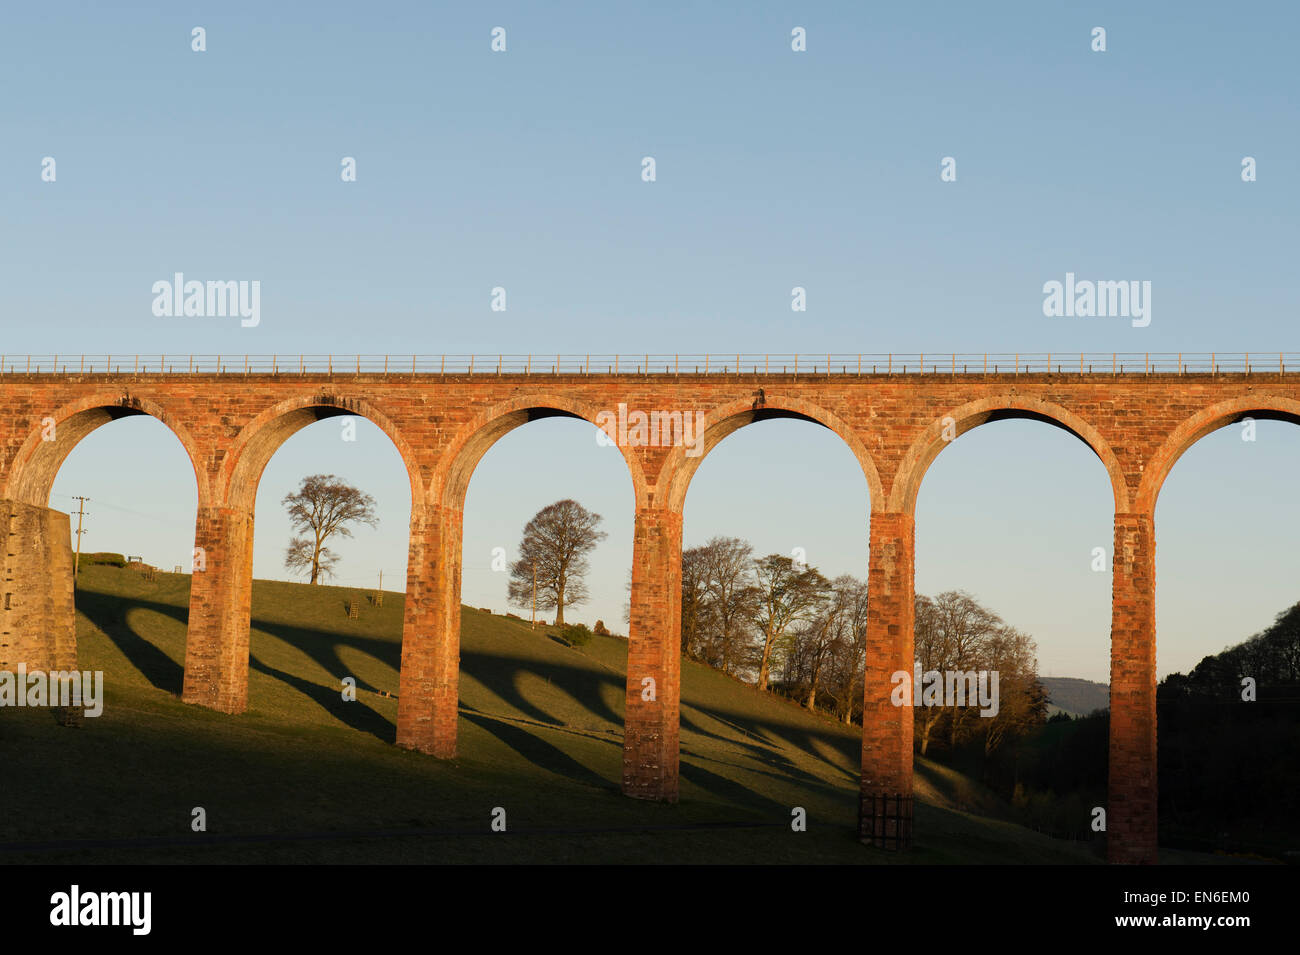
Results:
775 169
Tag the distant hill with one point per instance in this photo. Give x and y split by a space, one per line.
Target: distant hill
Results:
1075 697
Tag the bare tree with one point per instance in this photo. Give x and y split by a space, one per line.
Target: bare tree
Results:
1022 701
321 508
555 546
970 628
730 601
931 647
830 636
954 633
839 670
694 601
850 659
787 594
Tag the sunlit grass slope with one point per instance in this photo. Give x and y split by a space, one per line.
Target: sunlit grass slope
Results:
304 776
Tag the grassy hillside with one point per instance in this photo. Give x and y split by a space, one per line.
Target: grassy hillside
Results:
305 777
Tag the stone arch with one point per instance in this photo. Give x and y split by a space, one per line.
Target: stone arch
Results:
929 443
1157 469
473 440
38 461
678 469
258 441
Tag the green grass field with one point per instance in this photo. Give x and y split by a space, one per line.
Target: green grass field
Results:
305 777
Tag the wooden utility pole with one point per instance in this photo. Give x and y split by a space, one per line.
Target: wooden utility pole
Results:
534 596
81 511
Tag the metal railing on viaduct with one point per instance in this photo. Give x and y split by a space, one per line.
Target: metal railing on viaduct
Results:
984 363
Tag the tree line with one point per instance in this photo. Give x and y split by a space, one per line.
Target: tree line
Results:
785 626
1229 751
1271 659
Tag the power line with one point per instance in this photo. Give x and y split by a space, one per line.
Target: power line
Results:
125 510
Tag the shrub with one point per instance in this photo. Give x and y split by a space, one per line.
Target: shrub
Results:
576 635
600 629
112 560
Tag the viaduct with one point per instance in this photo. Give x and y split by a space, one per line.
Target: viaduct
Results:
1138 414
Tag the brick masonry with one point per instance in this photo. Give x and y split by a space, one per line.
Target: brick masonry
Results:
37 619
230 425
651 719
887 729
